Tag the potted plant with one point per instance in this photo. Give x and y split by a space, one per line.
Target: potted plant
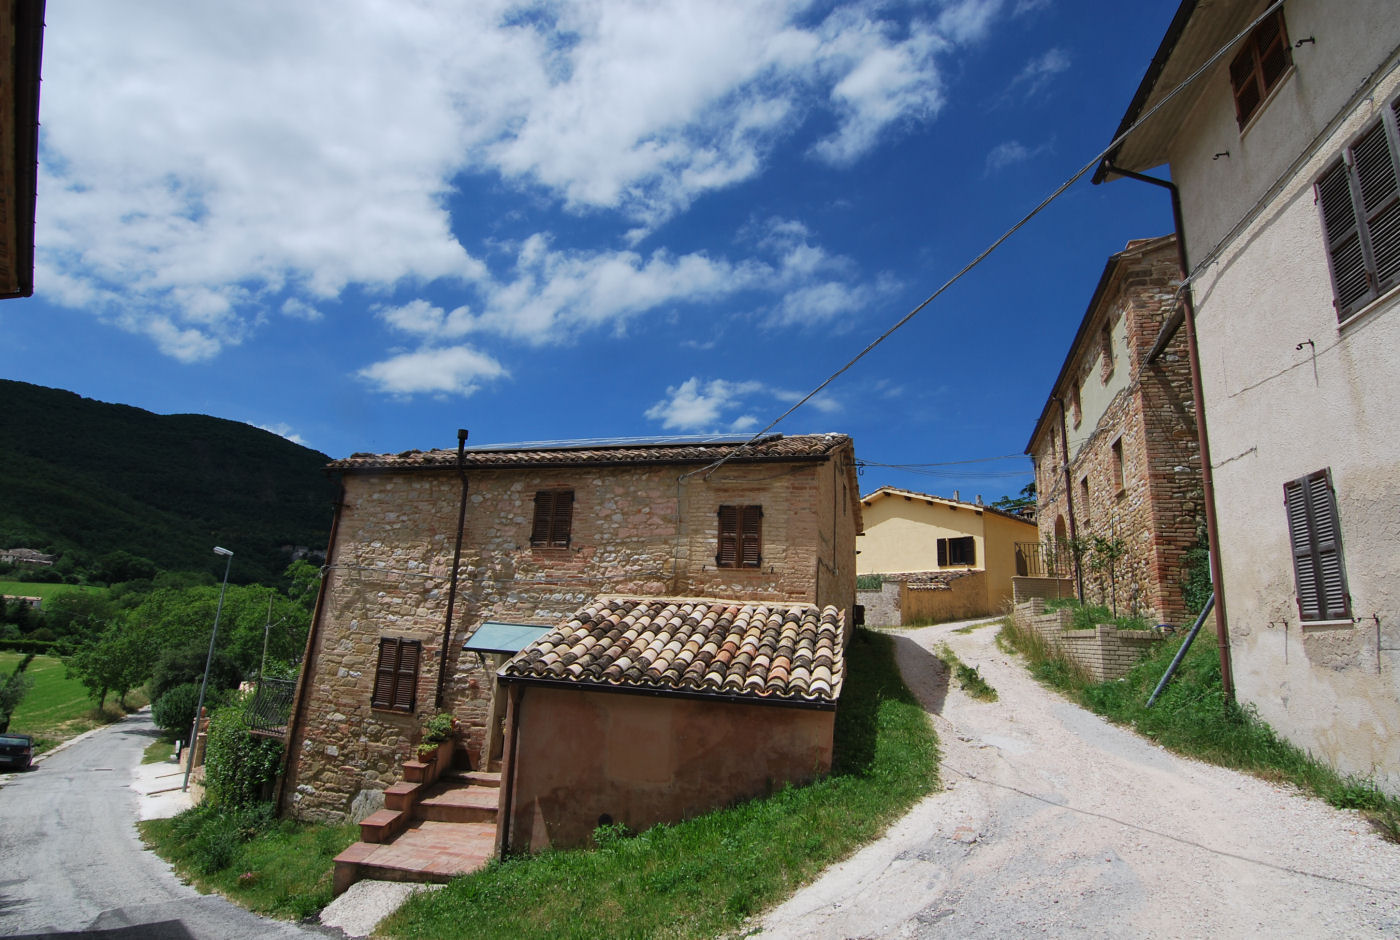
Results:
435 748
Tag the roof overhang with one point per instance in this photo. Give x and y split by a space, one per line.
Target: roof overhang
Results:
1197 31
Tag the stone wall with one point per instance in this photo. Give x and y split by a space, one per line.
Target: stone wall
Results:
954 596
1138 465
1024 588
643 530
882 606
1104 652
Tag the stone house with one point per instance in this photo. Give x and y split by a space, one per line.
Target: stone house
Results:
541 532
1285 155
938 558
1126 420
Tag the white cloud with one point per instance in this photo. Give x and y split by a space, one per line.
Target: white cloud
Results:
283 430
454 370
1036 73
701 406
250 157
1009 153
693 406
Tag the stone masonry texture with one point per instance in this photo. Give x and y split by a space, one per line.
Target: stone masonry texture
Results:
645 530
1158 511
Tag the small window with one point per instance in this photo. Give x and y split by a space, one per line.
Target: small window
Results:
740 537
1075 407
1259 66
396 676
1106 354
1318 568
554 517
1359 199
955 552
1117 457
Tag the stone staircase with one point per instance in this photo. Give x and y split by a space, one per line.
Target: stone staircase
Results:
432 828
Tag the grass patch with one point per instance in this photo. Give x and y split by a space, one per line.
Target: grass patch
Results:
159 752
1089 616
1193 717
975 626
705 876
48 590
968 677
58 708
279 868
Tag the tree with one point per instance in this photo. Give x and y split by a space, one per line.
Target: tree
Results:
12 691
117 661
1018 504
115 567
1106 554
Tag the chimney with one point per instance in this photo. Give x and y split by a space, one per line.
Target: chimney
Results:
955 497
979 499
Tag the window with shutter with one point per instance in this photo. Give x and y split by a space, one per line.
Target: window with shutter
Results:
1259 66
1358 197
554 518
740 537
1316 540
396 674
957 551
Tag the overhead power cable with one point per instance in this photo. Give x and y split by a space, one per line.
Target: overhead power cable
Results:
982 255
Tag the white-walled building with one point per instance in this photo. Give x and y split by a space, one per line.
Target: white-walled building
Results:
1286 152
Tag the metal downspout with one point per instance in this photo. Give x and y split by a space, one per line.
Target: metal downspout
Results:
299 700
1069 499
1222 629
456 560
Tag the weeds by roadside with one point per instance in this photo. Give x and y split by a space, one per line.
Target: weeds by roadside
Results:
281 868
968 677
1193 717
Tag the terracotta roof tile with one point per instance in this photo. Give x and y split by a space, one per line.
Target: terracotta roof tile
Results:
767 651
774 448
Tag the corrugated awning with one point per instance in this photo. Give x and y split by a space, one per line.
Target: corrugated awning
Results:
510 638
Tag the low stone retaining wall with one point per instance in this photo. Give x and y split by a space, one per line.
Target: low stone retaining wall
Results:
914 597
1105 652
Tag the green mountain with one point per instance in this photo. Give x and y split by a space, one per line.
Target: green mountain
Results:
83 478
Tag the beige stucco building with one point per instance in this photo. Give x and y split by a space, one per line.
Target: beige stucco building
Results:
539 532
911 536
1286 152
1115 446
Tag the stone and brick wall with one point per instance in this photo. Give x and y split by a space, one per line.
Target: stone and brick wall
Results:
638 530
1104 652
1145 436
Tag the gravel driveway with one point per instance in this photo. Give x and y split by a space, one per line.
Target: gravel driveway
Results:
1055 822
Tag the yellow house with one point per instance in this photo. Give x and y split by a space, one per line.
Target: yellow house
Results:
952 558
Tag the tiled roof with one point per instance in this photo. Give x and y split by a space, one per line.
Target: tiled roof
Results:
888 491
775 448
766 651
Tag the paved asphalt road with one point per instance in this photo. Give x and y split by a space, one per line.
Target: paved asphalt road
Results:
72 863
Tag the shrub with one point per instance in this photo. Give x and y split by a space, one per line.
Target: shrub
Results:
173 712
237 764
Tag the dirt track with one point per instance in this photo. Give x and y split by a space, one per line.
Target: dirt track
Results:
1055 822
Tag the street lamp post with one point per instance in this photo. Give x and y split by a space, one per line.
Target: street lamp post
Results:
194 730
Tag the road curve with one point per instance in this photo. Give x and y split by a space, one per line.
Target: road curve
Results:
72 863
1054 822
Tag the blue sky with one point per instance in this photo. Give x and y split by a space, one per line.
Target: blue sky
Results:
365 224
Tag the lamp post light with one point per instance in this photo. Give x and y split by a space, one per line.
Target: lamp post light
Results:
208 660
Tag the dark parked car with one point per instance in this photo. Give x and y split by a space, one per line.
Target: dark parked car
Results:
16 751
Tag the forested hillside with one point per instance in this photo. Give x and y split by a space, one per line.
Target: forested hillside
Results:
84 478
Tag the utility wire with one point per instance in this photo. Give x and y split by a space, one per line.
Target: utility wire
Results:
982 255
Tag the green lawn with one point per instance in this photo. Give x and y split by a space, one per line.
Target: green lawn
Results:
45 590
57 707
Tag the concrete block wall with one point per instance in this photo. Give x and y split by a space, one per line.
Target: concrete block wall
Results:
1104 652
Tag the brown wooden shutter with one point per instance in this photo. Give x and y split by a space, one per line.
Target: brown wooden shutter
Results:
384 673
1315 537
406 680
728 554
554 516
751 537
942 553
1379 190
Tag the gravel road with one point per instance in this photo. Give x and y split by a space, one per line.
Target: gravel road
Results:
1054 822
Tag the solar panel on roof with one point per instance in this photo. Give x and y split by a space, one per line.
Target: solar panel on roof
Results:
604 442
